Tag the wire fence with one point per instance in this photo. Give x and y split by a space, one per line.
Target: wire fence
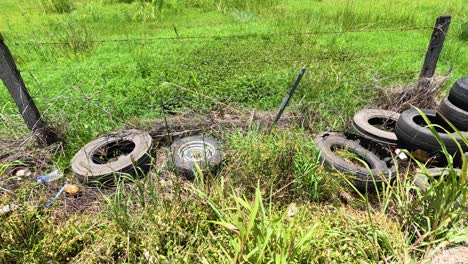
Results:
87 97
234 36
350 55
305 61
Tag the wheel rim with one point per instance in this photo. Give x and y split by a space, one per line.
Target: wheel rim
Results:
196 151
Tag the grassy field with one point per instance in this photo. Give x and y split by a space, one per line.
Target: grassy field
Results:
97 66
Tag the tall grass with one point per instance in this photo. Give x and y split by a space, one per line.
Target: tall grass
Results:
260 236
58 6
220 5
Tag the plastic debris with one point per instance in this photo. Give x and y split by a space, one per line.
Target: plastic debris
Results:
401 155
8 208
49 204
71 189
292 210
50 177
23 172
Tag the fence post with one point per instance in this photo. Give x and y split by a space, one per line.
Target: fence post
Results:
435 47
17 89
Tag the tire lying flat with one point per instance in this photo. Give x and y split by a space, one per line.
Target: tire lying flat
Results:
365 122
189 154
459 93
365 179
457 116
413 133
103 159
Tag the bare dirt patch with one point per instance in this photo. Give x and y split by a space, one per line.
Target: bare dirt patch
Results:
458 255
164 131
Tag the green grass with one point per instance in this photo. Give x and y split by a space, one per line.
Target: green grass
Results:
272 200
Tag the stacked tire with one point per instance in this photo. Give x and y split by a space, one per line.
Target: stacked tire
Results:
381 133
455 106
414 131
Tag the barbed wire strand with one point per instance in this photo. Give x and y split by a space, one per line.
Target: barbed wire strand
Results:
249 35
338 57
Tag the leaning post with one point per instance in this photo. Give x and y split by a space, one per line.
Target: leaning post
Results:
434 49
13 81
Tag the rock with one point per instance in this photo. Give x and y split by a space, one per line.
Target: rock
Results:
23 172
8 208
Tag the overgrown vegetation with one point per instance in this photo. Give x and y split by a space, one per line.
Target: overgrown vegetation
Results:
58 6
96 66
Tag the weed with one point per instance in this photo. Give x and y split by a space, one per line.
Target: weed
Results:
73 34
58 6
463 35
257 236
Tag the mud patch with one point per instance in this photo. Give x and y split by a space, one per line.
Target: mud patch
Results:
88 200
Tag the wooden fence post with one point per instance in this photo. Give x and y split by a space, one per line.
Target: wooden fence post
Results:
435 47
16 87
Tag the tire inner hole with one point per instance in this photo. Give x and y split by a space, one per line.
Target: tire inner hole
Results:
349 155
383 123
113 151
419 120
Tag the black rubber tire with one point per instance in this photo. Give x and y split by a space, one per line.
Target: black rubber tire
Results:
412 133
457 116
364 179
421 181
185 164
136 162
365 120
459 93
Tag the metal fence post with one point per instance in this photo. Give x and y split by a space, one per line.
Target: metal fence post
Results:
13 81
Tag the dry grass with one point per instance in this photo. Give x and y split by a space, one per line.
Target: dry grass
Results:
422 94
169 129
26 151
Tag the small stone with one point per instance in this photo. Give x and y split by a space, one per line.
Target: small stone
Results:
23 173
346 197
8 208
292 210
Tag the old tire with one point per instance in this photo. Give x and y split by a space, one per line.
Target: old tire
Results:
459 93
366 123
457 116
422 180
124 152
412 133
188 153
365 180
